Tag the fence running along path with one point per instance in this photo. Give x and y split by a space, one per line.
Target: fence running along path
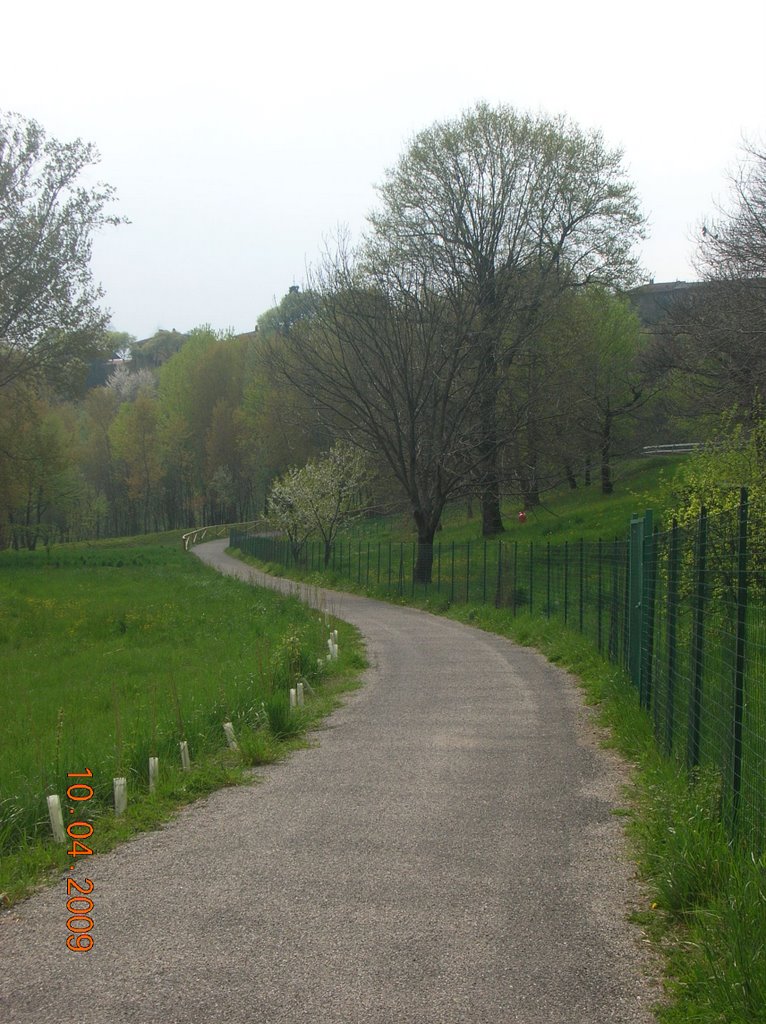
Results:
683 611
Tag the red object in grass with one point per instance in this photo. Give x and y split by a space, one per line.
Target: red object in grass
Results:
522 516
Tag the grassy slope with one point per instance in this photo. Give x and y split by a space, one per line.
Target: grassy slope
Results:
563 515
113 652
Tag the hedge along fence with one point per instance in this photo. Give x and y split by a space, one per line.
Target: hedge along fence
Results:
683 611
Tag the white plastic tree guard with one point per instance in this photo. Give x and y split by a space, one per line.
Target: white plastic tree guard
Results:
57 819
231 739
120 796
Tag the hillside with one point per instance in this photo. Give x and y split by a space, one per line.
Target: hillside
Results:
564 514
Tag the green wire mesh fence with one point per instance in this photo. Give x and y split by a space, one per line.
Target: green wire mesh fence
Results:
682 611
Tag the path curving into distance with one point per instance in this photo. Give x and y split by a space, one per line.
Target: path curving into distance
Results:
445 855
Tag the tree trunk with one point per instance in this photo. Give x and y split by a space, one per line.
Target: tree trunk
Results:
491 516
530 492
571 478
426 523
607 487
424 560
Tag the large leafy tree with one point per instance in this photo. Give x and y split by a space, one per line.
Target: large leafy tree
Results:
607 381
135 441
51 320
38 484
202 429
294 308
505 211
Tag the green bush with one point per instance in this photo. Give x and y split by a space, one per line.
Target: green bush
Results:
284 721
292 659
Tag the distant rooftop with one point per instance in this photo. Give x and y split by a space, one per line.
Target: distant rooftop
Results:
654 301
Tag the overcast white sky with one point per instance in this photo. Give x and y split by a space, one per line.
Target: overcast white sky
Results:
239 135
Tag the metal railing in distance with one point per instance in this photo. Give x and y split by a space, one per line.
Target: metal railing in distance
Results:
201 533
686 448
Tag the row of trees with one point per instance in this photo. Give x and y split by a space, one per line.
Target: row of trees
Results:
195 439
475 343
164 439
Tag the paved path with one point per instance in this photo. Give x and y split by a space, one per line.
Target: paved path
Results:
445 855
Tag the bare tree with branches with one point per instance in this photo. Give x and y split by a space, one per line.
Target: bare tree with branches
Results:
389 365
715 334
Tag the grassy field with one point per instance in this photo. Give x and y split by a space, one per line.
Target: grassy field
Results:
115 652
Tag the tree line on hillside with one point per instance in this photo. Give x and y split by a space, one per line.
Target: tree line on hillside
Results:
477 343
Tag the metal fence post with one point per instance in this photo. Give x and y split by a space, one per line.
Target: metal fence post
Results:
515 575
739 658
599 597
566 581
698 645
614 609
635 593
647 609
672 636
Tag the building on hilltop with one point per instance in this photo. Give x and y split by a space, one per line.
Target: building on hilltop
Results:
654 302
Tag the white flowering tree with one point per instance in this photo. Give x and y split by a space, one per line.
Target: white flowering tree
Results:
286 511
320 497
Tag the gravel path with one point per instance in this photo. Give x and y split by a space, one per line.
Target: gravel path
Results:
446 853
